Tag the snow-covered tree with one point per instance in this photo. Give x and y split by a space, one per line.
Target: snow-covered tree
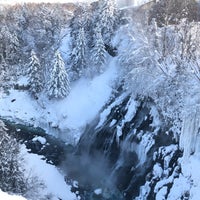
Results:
35 74
98 52
106 18
11 174
4 75
79 53
9 44
172 11
58 85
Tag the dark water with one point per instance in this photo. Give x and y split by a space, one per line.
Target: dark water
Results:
54 150
101 159
57 153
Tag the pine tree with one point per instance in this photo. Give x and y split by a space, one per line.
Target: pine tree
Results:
58 86
11 174
79 53
106 18
99 52
4 69
35 74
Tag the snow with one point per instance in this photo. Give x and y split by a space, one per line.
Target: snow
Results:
106 112
147 141
52 178
128 3
98 191
180 186
190 170
161 194
40 139
5 196
157 170
113 122
69 115
144 191
75 184
154 113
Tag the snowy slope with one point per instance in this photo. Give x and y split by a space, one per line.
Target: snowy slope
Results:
51 177
5 196
68 116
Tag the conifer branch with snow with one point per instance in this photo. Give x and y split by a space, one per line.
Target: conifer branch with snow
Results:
58 85
35 74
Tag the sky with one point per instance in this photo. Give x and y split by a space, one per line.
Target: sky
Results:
120 3
39 1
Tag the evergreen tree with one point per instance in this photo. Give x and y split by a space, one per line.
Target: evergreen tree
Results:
11 174
58 86
99 52
35 74
172 11
106 18
9 44
79 53
4 69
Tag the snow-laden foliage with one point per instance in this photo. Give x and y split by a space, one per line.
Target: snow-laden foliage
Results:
58 85
172 11
99 52
12 178
35 74
4 75
79 53
106 16
9 46
92 29
162 64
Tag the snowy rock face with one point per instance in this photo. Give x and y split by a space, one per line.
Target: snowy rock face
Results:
129 145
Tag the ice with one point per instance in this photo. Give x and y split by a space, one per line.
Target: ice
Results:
190 137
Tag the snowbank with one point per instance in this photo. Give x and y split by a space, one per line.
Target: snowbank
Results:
5 196
50 176
190 170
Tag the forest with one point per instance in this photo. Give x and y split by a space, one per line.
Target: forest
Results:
55 57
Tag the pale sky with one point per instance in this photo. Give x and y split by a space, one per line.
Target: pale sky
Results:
120 3
40 1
